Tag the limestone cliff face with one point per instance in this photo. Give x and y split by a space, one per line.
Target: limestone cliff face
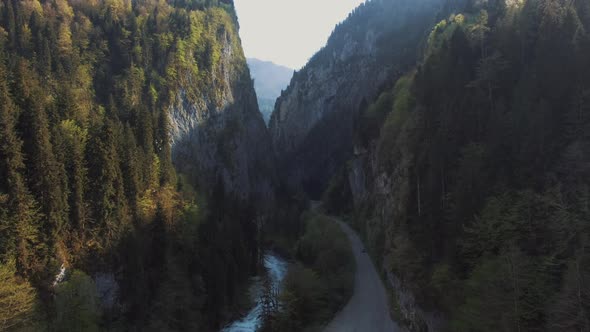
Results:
218 132
386 191
313 121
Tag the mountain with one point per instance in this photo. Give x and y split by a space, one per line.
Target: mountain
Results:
217 130
139 185
465 166
133 162
269 80
312 124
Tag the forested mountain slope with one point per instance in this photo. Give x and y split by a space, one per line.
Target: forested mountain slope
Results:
95 99
312 124
470 179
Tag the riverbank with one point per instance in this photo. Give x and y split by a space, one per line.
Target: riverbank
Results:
276 268
322 281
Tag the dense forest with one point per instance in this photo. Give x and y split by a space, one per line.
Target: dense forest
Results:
478 160
453 135
86 176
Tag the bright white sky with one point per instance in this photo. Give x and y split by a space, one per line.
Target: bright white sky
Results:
289 32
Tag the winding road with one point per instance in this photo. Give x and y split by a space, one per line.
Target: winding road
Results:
368 309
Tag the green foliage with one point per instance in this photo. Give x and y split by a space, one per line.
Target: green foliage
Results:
110 210
86 175
77 304
301 299
372 118
315 291
337 198
21 228
486 150
488 296
18 301
403 102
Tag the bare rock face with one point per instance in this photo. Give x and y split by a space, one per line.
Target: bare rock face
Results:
107 289
313 122
220 135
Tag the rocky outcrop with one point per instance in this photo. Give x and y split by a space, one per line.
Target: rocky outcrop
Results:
108 291
220 133
380 194
413 317
313 122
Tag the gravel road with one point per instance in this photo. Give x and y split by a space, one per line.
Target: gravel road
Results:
368 309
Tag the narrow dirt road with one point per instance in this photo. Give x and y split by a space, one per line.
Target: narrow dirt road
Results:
368 309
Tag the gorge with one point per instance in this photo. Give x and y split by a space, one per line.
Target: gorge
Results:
141 189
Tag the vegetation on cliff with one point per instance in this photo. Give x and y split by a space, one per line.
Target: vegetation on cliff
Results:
313 123
480 171
86 176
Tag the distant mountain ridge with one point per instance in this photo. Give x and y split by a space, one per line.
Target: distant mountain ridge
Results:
269 80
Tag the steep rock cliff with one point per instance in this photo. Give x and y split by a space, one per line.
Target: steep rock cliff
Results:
313 121
217 130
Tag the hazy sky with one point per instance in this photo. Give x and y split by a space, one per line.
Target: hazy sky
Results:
289 32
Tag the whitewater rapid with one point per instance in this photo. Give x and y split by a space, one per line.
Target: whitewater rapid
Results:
276 269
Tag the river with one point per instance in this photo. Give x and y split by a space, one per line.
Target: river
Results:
276 269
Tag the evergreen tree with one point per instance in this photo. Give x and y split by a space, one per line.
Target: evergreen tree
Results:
22 231
73 143
47 176
163 146
108 196
130 169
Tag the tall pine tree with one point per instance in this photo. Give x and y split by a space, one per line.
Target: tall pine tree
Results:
45 175
22 230
108 195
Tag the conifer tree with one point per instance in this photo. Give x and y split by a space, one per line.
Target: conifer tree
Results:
73 144
130 168
107 197
163 146
23 227
47 176
8 17
146 143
